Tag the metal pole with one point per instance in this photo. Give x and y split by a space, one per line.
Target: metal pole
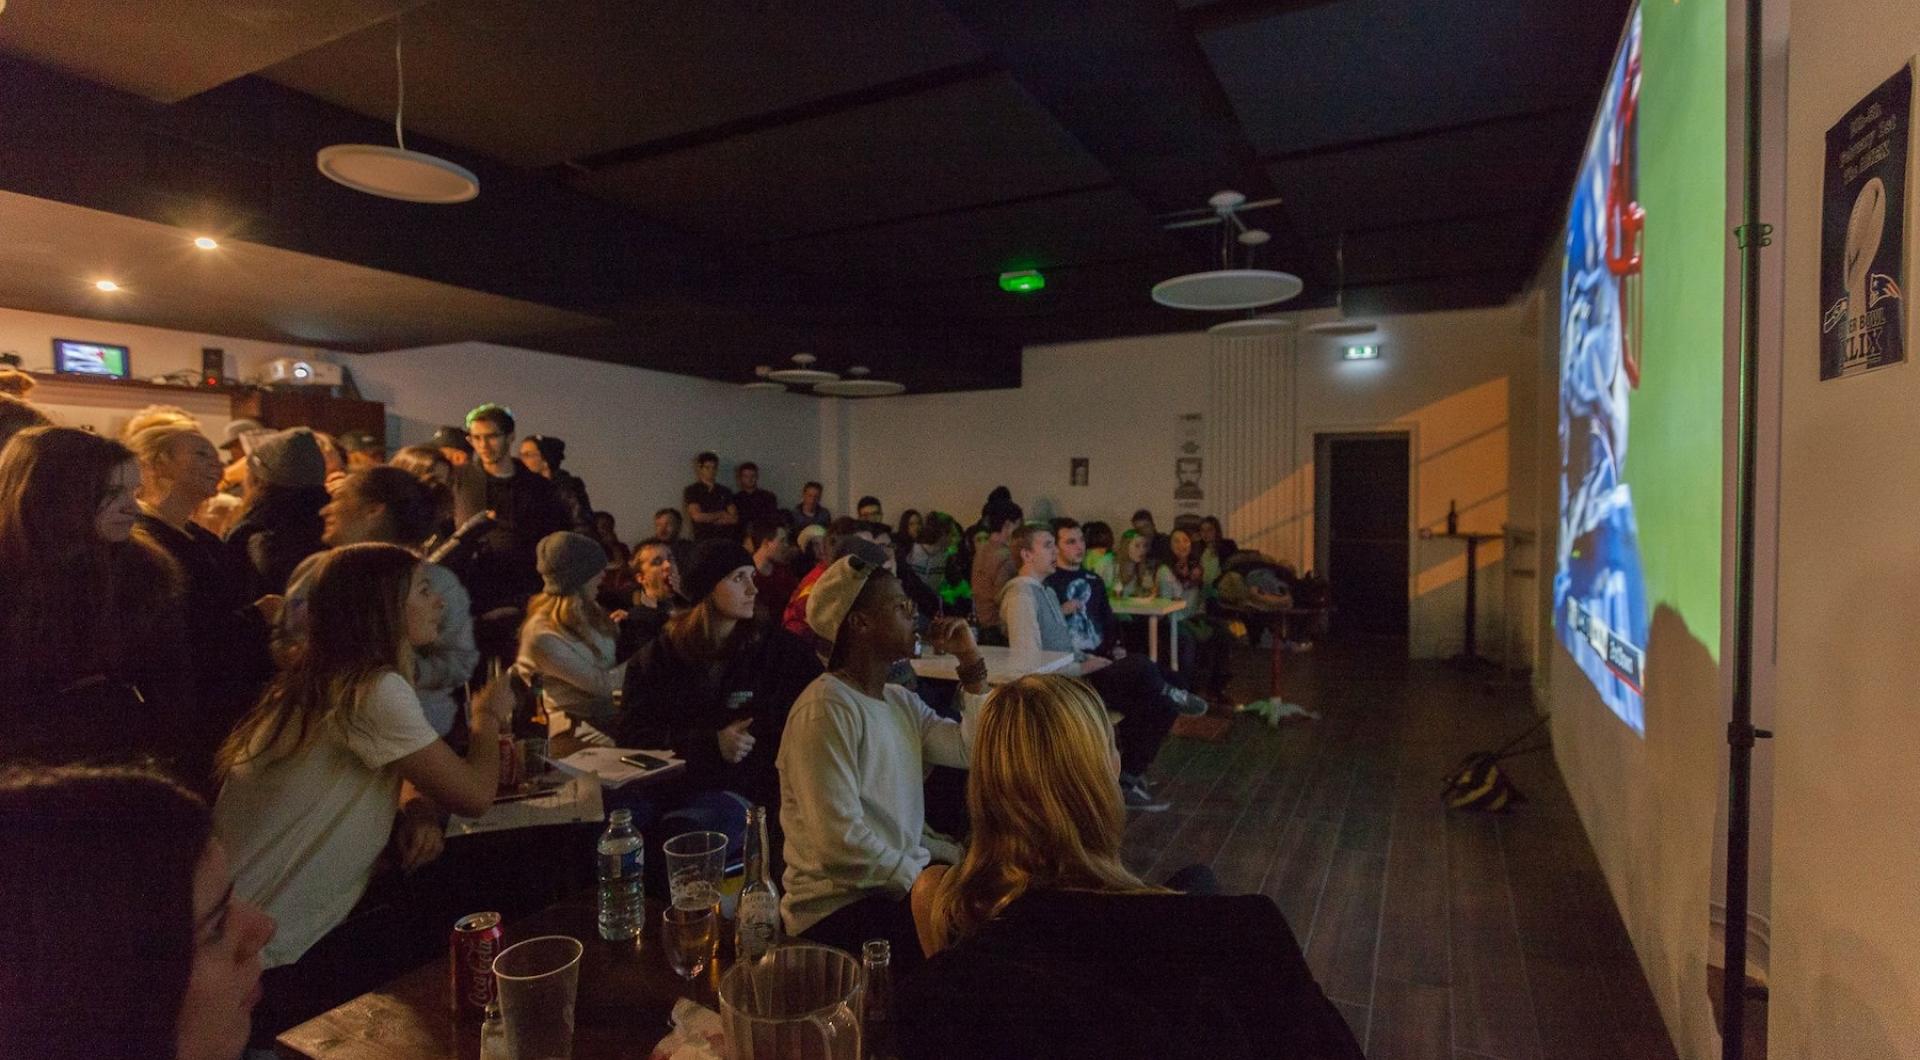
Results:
1740 731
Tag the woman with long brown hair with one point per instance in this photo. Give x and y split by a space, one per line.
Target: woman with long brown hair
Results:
567 640
716 686
313 776
90 613
1045 944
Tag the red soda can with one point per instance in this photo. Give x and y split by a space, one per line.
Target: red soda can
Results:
475 943
510 762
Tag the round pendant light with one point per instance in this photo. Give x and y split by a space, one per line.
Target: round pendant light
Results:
1340 326
762 384
804 375
1252 327
1227 289
395 173
860 386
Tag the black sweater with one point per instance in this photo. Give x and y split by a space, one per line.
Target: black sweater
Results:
686 703
1072 974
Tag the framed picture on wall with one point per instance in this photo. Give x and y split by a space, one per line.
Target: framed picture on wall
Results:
1077 471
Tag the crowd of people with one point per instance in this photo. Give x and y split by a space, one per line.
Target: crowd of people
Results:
234 722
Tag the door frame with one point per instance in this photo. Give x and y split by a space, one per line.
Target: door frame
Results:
1320 435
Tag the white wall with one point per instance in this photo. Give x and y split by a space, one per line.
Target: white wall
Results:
1461 383
1846 905
631 433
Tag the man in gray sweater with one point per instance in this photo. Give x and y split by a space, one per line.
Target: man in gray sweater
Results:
1132 686
853 762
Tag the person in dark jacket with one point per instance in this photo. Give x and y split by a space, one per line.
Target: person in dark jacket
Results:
715 687
229 632
543 454
279 525
504 572
96 666
1044 944
654 599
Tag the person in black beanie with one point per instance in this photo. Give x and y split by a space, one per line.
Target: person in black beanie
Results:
716 687
280 525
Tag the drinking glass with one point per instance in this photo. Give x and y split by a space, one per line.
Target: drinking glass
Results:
696 865
691 934
539 979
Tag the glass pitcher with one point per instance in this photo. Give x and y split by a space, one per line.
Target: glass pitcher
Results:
796 1003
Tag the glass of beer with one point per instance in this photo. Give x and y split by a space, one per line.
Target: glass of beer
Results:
690 933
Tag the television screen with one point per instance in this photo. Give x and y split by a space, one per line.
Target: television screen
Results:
1640 346
90 358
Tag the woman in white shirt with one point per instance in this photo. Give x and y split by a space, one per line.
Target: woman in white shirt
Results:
314 775
567 640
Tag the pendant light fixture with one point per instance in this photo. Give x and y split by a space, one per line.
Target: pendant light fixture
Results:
1227 287
1341 327
860 385
805 374
761 382
395 172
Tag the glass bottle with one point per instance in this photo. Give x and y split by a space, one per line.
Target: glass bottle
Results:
876 1001
757 925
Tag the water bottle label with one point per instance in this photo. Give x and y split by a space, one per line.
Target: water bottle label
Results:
621 866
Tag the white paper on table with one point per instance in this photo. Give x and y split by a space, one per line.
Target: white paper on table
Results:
603 763
576 801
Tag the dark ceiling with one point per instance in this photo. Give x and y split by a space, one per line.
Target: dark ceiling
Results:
732 181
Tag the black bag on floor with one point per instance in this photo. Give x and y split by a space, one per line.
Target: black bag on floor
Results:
1478 782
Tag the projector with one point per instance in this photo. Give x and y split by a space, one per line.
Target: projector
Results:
293 371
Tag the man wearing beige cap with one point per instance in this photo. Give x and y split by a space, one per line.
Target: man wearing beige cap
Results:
853 762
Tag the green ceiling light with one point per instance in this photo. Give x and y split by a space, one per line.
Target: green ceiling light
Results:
1024 281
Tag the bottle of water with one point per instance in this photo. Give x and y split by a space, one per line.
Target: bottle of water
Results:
757 925
623 901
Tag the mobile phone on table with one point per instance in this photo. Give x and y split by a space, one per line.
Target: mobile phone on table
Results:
645 761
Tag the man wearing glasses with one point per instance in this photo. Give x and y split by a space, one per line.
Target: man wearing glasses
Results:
525 509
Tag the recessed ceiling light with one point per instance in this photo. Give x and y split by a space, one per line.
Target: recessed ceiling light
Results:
206 243
105 285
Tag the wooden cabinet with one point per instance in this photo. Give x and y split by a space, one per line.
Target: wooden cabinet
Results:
280 409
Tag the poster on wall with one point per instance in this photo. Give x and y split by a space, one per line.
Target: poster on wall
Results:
1188 462
1599 588
1863 232
1077 471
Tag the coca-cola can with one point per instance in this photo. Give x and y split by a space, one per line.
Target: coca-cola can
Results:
475 943
510 765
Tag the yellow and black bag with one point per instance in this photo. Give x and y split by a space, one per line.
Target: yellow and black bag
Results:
1478 782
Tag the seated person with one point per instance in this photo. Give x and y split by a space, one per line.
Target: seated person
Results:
1138 575
1099 558
767 539
993 565
1042 943
1133 685
845 537
853 760
115 888
314 775
1082 593
655 597
715 687
567 642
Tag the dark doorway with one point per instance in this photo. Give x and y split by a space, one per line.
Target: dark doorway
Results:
1362 530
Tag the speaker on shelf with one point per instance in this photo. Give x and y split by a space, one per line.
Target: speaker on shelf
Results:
213 366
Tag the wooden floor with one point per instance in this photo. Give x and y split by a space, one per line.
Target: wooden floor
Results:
1446 935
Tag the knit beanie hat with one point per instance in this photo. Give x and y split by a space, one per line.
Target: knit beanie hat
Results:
289 458
452 438
834 594
568 561
808 535
712 562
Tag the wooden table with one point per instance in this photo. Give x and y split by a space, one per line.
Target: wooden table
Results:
1003 664
1155 608
625 997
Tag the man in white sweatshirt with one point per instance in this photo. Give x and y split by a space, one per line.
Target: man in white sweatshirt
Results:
853 761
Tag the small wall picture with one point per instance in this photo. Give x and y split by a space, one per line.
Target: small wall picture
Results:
1077 472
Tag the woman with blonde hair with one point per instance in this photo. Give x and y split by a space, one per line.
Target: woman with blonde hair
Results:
1045 944
567 640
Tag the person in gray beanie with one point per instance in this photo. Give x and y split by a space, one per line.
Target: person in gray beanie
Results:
567 640
279 523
